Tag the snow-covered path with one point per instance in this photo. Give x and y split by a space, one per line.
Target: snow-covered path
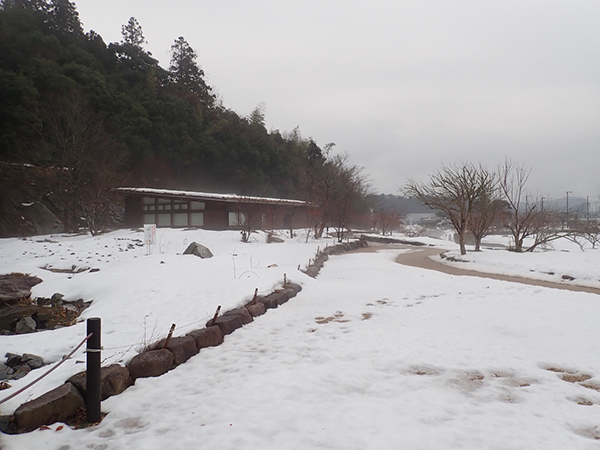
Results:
422 257
375 355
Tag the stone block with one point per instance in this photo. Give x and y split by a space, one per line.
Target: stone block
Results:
183 348
242 313
312 271
114 379
207 337
258 309
275 299
57 405
293 289
228 324
151 364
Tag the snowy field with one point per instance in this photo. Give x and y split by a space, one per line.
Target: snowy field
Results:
370 355
561 258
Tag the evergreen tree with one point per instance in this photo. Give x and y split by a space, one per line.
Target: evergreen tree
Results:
133 34
185 72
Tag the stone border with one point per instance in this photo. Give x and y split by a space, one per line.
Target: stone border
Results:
317 264
389 240
64 402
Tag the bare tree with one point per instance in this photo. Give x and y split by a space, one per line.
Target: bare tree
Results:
248 217
349 191
512 181
334 188
586 231
484 214
546 227
386 219
87 163
454 190
525 219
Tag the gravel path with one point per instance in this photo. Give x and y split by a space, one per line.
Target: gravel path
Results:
420 257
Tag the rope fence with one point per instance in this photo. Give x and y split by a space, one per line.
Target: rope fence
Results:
68 356
64 358
126 346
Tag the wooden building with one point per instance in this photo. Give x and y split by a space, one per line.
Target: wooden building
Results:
182 209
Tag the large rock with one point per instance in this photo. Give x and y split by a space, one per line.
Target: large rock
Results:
41 219
207 337
151 364
33 361
18 366
5 372
16 286
57 405
199 250
21 372
114 379
25 325
183 348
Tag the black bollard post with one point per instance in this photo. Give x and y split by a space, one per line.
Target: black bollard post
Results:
92 401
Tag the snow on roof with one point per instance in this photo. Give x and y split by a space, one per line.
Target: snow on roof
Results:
231 198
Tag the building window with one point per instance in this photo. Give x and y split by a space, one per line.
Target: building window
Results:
149 219
197 219
180 220
197 205
163 220
236 219
148 201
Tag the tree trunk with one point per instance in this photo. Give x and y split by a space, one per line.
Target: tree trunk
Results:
461 241
519 245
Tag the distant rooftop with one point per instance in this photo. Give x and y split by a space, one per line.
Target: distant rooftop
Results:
230 198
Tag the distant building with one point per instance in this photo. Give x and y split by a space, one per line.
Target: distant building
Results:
424 219
182 209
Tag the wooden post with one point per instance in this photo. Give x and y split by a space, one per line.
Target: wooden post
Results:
253 301
93 390
169 336
212 321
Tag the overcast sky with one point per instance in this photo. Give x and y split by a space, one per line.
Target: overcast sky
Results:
402 86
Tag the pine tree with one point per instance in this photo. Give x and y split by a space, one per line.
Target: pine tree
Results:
185 72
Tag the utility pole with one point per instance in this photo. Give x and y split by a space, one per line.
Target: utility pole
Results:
587 209
568 192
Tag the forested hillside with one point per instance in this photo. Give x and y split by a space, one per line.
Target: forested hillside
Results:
93 116
161 126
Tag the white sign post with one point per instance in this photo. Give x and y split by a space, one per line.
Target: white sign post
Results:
149 237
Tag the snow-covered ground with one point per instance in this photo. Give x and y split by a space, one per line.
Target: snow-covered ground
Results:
370 355
562 258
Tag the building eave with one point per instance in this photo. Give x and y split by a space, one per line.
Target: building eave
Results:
201 196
